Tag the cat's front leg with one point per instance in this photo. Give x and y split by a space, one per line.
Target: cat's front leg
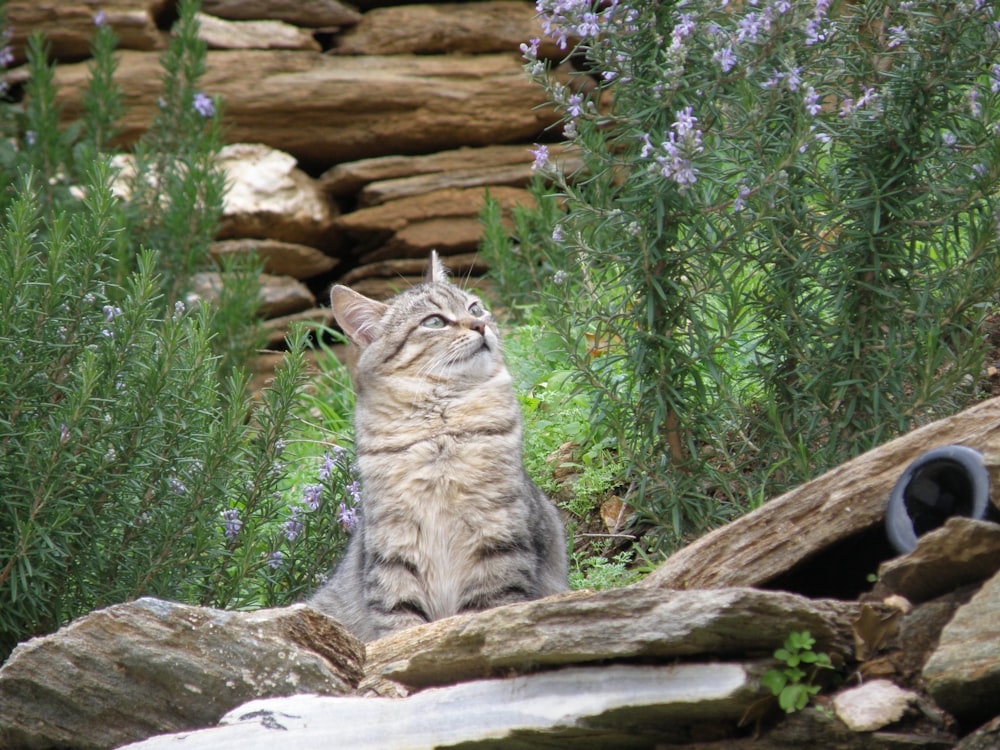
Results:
394 596
387 619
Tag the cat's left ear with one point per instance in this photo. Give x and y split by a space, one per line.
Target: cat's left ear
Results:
357 315
435 269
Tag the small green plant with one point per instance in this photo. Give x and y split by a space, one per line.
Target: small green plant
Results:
597 571
794 684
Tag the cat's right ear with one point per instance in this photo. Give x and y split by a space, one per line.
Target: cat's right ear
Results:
357 315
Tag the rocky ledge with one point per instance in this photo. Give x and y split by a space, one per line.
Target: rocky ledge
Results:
663 663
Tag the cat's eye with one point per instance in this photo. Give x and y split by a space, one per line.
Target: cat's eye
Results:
476 309
433 321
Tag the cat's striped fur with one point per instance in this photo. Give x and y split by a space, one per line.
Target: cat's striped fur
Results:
450 521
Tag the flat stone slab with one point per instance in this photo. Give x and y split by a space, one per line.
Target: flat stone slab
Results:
616 706
587 626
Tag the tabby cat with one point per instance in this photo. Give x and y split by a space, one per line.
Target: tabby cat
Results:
450 521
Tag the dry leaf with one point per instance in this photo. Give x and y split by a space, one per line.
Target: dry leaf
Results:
872 629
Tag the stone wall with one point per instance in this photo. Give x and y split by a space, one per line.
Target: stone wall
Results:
359 139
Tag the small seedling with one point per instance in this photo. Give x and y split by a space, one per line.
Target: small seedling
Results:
793 684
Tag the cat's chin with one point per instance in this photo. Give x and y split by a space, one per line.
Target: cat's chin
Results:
479 363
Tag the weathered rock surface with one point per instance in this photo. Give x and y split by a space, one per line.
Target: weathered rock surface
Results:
315 13
69 26
962 551
280 258
615 707
133 670
218 33
279 295
446 28
270 197
350 177
800 524
445 220
461 267
874 705
585 626
963 674
276 329
343 108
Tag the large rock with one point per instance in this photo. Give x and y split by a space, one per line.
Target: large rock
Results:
961 552
69 26
446 220
279 295
134 670
331 109
462 268
963 674
436 29
280 258
348 178
617 706
277 329
270 197
219 33
585 626
385 178
315 13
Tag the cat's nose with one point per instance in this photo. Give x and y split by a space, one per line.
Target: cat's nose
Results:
478 325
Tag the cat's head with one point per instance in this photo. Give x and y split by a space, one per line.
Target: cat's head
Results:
434 330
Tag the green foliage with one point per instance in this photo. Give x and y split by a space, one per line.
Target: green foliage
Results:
597 571
781 243
133 460
792 684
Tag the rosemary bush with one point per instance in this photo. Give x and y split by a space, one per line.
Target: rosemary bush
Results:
128 463
783 239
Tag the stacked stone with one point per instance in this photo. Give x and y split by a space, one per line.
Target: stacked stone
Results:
359 139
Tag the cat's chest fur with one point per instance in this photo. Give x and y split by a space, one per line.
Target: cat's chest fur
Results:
440 475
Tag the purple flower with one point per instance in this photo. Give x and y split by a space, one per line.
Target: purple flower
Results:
277 557
685 121
177 486
100 18
63 433
355 491
348 517
30 136
204 105
541 154
311 495
575 105
995 76
327 467
749 27
811 102
684 27
6 56
725 59
740 201
233 524
293 526
110 313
